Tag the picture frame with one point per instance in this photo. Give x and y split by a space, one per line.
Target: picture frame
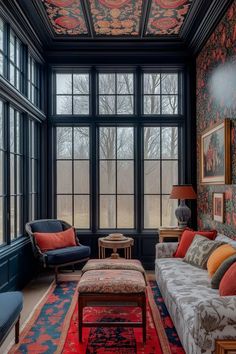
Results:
215 161
218 207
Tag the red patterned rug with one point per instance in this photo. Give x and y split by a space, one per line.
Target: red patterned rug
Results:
53 328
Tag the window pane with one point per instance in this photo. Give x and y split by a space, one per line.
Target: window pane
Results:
107 143
81 84
125 83
64 143
12 74
125 105
81 177
107 211
168 211
1 125
1 173
18 216
64 208
12 174
125 211
151 84
1 221
170 143
152 177
125 177
169 175
151 211
64 177
81 105
169 104
107 177
106 104
18 175
169 83
64 105
12 130
1 34
12 47
81 211
125 143
81 143
64 83
151 104
107 84
1 63
12 217
17 134
152 143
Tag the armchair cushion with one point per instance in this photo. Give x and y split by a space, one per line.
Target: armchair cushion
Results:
11 304
53 240
67 255
47 226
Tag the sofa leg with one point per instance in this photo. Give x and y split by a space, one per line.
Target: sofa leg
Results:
17 330
56 275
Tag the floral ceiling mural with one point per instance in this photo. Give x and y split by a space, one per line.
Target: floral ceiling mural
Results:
116 17
167 16
66 16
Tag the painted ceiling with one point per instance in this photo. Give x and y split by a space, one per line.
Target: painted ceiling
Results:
116 18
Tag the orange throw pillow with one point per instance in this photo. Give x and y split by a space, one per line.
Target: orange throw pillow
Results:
219 256
228 283
52 241
187 238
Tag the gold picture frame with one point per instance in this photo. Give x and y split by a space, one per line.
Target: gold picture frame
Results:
218 207
215 162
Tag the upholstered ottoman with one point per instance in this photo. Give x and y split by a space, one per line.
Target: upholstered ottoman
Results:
99 287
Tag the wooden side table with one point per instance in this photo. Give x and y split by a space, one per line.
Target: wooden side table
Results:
168 232
104 243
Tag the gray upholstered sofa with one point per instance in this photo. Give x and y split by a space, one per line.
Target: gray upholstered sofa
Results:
199 313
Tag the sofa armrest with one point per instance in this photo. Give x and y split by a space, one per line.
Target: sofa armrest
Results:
165 249
214 319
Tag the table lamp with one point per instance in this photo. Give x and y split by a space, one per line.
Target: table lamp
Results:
183 212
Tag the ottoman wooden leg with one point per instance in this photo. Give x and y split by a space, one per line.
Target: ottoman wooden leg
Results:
17 330
144 319
80 318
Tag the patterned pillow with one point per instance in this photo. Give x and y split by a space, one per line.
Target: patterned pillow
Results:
218 275
200 250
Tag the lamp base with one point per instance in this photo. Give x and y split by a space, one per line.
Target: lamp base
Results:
183 214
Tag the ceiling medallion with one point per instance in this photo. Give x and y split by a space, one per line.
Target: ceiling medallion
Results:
67 22
165 23
171 4
114 4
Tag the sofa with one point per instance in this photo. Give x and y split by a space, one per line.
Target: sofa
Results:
199 313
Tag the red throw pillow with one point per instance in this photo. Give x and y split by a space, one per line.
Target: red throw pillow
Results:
52 241
187 238
228 282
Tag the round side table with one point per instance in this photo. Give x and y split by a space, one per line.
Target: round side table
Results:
126 244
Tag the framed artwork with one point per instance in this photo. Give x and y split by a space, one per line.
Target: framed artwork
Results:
218 207
215 164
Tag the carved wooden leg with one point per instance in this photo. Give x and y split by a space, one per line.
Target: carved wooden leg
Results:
17 330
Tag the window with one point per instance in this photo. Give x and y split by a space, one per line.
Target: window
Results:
160 93
16 173
15 61
116 94
116 177
73 175
1 46
33 81
33 162
72 94
2 158
160 172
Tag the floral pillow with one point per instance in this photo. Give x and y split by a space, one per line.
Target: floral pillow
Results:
200 250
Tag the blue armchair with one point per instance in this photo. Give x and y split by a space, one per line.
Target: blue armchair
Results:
11 304
59 257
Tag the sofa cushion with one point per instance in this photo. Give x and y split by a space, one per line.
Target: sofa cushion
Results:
200 250
187 238
228 282
219 256
112 281
185 285
53 240
218 275
66 255
226 239
11 304
46 226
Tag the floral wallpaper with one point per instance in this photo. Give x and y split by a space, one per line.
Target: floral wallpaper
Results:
167 16
216 100
66 16
116 17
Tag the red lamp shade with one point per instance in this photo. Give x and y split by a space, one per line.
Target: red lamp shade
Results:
183 191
